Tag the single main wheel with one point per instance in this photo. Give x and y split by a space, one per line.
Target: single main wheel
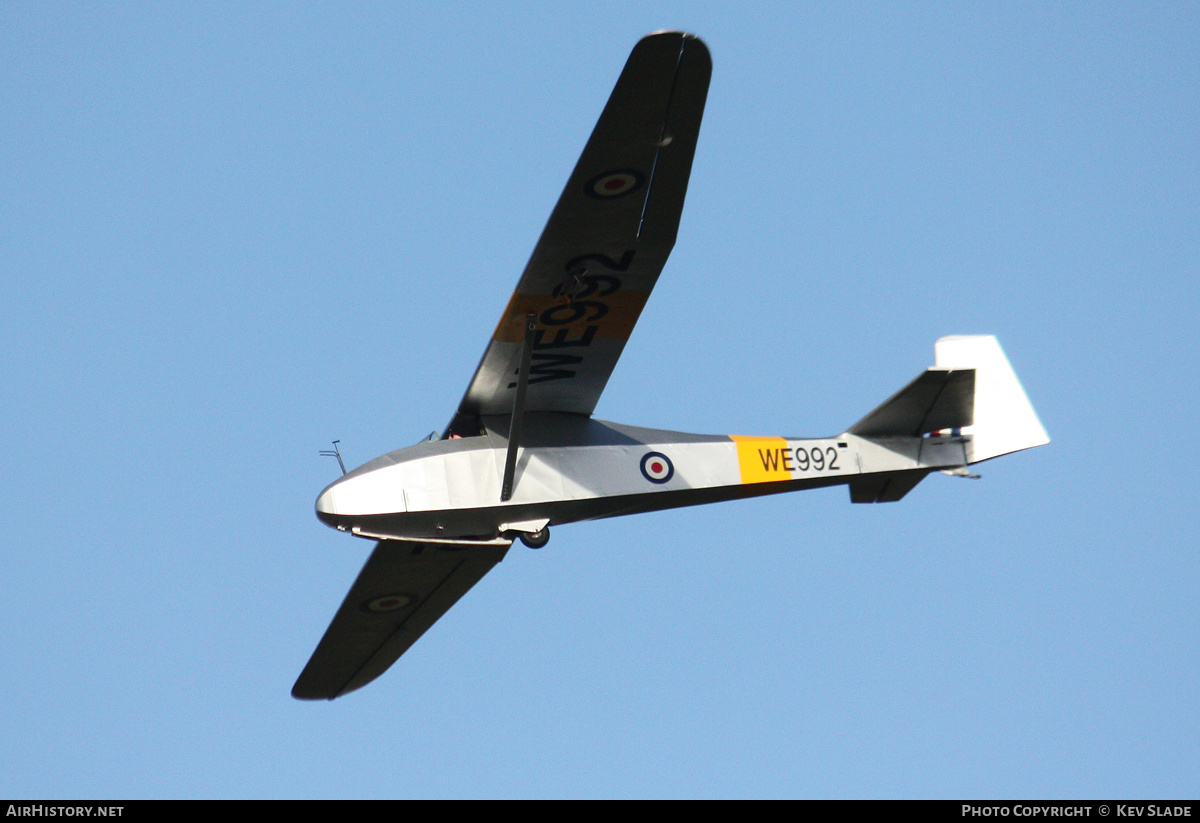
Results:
537 539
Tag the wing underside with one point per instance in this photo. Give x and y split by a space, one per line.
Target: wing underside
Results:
401 591
605 242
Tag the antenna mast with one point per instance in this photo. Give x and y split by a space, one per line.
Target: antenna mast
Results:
335 453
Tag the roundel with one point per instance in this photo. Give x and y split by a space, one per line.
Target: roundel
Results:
387 603
657 468
612 184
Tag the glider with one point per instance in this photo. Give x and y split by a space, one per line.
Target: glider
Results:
522 453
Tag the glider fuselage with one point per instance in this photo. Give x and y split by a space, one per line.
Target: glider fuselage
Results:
572 468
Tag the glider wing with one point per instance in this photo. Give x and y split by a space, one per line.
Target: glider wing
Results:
401 591
606 241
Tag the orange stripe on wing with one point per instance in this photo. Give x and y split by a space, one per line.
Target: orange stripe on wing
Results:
614 315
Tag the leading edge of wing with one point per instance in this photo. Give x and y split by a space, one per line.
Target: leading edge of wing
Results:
402 590
606 241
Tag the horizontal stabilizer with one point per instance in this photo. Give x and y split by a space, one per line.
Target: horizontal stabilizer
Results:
886 487
938 399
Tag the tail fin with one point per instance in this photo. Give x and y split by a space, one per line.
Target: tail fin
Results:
1004 420
973 391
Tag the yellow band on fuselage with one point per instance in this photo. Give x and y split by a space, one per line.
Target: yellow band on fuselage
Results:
759 458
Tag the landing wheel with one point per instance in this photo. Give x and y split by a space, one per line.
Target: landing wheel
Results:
537 539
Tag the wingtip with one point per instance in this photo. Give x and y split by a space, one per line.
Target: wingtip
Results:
682 35
310 691
300 694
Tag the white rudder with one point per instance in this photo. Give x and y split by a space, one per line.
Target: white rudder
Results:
1004 420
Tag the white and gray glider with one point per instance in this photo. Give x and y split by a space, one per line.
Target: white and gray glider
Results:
523 453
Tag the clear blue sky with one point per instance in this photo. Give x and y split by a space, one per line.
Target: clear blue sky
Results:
231 233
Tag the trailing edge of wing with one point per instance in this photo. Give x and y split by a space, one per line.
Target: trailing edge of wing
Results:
401 591
606 240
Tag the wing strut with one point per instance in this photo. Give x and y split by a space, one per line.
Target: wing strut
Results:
514 425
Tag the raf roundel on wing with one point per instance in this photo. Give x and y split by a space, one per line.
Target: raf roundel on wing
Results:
612 184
